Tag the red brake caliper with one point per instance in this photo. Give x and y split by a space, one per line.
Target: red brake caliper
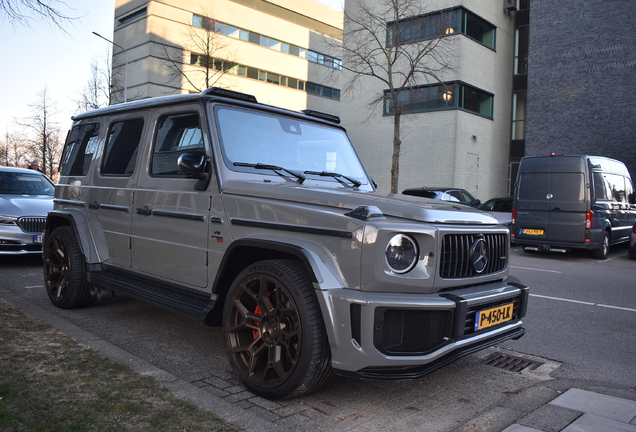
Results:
258 311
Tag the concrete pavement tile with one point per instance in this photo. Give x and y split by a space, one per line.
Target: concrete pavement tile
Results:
595 423
238 396
519 428
595 403
260 412
265 403
549 418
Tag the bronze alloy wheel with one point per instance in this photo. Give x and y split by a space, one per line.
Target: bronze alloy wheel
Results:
64 270
271 322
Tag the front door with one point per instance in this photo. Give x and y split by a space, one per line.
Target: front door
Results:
171 220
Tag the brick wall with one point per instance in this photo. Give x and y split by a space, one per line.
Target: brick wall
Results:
582 79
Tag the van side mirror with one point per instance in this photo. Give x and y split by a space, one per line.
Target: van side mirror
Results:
195 166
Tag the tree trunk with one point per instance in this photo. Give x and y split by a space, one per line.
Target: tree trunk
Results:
395 161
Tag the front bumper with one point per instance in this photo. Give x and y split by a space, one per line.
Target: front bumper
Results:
396 336
14 241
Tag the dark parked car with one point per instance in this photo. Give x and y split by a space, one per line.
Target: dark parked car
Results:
26 196
499 208
632 243
460 196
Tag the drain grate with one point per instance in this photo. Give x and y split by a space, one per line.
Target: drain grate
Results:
511 363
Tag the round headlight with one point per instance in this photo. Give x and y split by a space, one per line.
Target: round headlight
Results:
401 253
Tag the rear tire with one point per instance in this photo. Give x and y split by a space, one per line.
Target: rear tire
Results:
274 331
603 251
65 270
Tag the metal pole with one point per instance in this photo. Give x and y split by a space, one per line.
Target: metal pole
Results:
126 67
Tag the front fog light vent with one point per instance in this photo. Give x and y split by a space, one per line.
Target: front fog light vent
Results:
401 253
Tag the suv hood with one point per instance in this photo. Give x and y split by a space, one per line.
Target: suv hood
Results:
400 206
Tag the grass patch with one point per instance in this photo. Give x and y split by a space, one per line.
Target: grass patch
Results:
50 382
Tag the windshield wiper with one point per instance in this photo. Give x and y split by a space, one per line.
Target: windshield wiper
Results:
300 177
337 176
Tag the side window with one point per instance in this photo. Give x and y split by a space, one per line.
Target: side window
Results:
629 191
122 144
617 183
176 134
79 150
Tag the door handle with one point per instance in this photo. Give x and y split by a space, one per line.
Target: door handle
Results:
144 212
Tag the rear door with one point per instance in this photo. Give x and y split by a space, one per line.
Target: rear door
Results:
111 194
552 199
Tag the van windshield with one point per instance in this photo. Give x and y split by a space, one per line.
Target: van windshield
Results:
562 186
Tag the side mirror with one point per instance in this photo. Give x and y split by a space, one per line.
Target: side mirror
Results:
195 166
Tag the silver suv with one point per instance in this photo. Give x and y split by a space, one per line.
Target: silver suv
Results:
265 220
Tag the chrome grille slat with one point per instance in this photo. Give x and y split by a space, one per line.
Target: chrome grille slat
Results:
455 256
32 224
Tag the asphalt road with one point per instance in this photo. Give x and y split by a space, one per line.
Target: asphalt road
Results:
581 328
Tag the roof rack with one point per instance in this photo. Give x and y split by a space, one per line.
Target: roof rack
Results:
231 94
322 115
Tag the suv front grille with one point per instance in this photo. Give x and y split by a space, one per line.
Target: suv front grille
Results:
32 224
456 259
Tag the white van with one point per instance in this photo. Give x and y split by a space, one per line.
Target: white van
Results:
564 202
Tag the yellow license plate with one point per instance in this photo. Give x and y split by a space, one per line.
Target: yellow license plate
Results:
493 316
532 231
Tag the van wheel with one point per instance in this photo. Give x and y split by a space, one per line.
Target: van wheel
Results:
603 252
65 270
274 331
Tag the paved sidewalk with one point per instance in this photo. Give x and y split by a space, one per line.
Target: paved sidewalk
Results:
581 411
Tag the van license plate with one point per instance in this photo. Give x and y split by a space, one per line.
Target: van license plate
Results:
532 231
493 316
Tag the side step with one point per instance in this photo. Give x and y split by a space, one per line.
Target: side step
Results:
192 303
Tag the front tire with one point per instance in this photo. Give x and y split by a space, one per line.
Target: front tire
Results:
274 331
65 270
603 251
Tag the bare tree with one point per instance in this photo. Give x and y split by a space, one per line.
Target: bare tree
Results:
43 133
382 42
14 149
99 88
205 50
22 12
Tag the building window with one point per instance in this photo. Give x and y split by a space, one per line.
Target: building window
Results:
132 16
266 42
323 91
440 24
438 97
518 116
263 75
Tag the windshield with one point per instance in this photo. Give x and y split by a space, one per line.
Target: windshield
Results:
251 137
12 183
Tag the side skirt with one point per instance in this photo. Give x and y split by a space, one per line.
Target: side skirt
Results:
192 303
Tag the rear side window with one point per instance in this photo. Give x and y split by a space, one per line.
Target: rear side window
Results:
79 150
122 145
562 186
611 187
176 134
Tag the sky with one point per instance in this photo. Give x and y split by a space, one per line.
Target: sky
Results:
42 56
